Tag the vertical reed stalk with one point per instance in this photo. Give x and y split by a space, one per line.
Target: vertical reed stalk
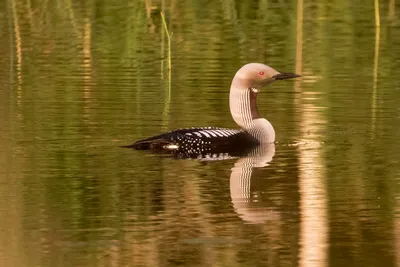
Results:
376 62
71 14
11 39
87 60
29 7
168 100
169 54
43 9
18 47
299 41
392 10
377 16
162 44
148 4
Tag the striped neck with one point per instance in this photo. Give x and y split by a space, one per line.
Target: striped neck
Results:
243 106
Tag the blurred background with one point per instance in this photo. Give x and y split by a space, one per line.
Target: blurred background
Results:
80 78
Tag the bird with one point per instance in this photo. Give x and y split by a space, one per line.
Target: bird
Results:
215 142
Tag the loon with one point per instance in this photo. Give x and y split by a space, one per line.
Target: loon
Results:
255 130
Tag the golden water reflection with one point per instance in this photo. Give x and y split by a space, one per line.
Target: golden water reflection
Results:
80 79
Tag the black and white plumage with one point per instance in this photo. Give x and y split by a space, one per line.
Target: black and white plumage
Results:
204 142
200 142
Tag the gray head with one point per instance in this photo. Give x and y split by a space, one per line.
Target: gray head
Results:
257 75
243 95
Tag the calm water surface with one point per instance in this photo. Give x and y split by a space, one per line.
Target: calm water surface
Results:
79 79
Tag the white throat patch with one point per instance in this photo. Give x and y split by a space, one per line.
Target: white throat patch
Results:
255 90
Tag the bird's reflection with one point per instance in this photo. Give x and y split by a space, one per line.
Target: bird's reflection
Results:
244 185
247 205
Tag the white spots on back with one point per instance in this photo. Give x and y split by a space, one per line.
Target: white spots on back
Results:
199 141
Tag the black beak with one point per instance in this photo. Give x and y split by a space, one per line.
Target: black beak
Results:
285 75
279 76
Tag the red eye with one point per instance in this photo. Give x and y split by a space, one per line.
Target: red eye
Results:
261 73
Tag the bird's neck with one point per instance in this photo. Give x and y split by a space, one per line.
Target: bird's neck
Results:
243 107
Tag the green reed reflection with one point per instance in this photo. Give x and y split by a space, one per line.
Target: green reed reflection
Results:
168 100
87 79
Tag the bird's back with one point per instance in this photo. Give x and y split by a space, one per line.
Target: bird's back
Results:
198 142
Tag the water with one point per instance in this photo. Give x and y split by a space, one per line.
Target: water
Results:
80 79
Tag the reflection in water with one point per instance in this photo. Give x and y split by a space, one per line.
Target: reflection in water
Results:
248 206
84 77
313 209
313 193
